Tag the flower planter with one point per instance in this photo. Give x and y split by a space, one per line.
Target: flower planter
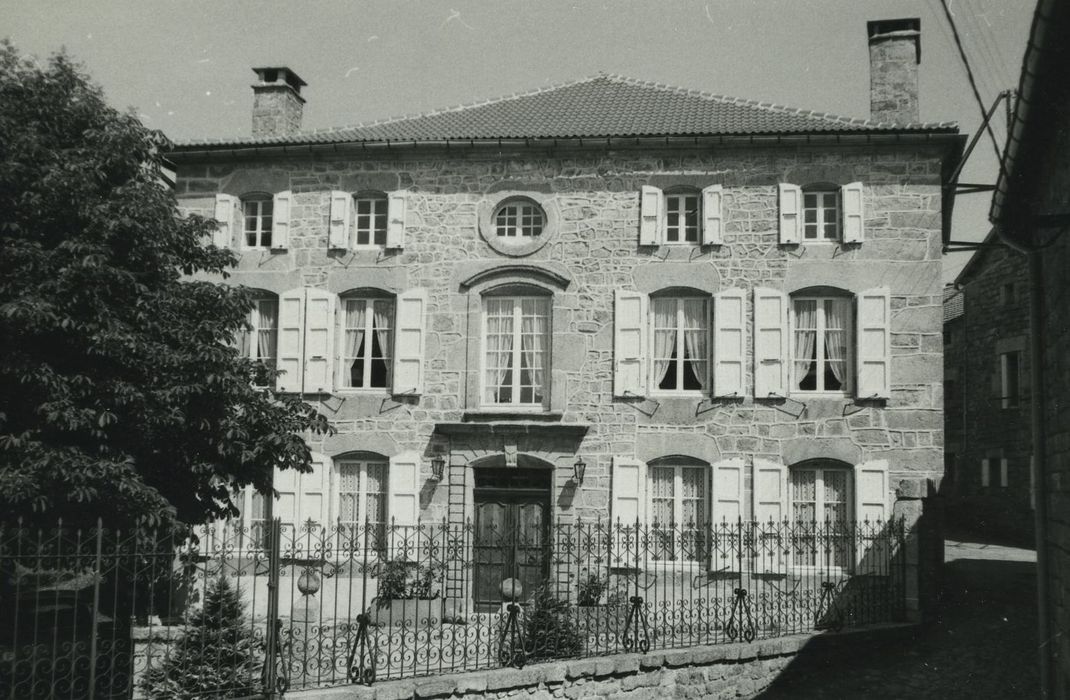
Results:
411 613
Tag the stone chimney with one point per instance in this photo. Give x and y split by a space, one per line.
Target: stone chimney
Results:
277 102
894 55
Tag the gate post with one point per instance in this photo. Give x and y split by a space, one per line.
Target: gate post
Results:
271 636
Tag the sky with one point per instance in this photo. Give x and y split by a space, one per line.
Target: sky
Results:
185 65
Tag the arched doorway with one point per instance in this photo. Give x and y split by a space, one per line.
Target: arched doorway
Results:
512 529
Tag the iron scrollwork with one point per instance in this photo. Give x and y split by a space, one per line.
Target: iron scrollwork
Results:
740 622
636 633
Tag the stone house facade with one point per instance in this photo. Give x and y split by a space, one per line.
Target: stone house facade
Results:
722 310
990 484
1030 212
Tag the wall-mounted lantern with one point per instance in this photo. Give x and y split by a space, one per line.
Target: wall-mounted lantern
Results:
438 466
578 470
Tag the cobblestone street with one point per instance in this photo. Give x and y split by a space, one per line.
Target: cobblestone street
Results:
983 645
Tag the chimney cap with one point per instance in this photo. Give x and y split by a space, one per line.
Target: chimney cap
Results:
880 29
279 75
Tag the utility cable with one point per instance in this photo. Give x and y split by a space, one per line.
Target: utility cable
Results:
973 82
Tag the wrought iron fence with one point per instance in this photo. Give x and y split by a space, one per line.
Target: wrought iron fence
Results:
241 611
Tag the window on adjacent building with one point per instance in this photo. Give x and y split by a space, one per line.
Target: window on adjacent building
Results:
257 211
518 219
682 218
820 509
680 355
370 221
820 348
1007 294
261 343
367 342
1009 372
678 493
516 346
821 215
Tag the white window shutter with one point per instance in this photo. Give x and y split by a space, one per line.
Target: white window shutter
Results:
341 215
291 343
224 215
726 517
790 213
650 203
771 307
729 342
409 342
287 505
313 504
403 504
319 341
872 513
853 213
873 353
770 507
628 514
986 472
629 343
396 217
712 215
280 232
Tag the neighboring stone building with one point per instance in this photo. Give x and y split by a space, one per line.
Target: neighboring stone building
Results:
988 482
723 309
1031 212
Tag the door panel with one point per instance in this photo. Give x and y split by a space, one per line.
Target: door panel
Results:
511 541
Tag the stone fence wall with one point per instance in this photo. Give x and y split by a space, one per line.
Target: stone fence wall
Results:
722 671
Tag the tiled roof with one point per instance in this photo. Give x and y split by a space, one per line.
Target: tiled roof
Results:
954 303
601 106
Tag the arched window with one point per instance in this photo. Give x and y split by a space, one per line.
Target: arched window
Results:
821 495
257 213
369 228
680 329
822 351
361 489
821 212
518 218
683 212
678 495
367 339
516 343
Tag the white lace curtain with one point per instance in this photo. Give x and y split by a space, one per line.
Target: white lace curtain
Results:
664 338
805 337
267 329
355 310
836 337
532 333
695 338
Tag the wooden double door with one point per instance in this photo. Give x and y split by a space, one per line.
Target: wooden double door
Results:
512 531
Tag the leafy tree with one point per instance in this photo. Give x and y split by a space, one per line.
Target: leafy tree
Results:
122 395
216 657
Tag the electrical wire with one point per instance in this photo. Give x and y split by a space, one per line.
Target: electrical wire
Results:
973 81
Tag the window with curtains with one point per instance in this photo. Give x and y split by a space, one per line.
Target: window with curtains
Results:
681 331
821 351
682 216
370 221
678 493
821 215
516 350
821 510
261 342
257 217
367 342
360 498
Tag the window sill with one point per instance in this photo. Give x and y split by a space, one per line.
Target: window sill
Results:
480 415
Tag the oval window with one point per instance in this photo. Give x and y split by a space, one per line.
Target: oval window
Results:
518 219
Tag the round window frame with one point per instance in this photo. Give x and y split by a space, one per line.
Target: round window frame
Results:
520 246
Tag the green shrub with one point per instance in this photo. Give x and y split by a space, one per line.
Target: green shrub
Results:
590 590
550 628
405 580
216 658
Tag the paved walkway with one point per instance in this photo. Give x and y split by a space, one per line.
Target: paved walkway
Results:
983 645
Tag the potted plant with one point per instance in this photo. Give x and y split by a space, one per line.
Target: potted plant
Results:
409 594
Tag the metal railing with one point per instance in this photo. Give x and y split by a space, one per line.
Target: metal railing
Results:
244 612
